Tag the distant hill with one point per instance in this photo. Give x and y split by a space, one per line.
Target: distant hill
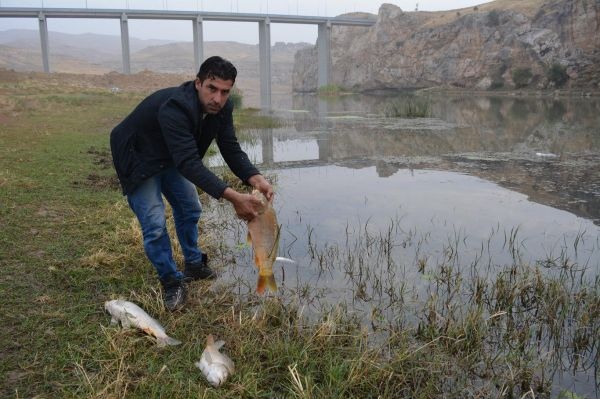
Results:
92 53
88 46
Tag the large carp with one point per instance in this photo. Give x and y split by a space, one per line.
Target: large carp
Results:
263 233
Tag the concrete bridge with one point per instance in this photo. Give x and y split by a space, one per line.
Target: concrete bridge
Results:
264 33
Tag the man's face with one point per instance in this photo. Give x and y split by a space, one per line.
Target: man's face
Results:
213 93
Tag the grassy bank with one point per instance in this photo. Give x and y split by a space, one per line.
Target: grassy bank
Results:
69 243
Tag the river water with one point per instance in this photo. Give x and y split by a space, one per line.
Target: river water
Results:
371 205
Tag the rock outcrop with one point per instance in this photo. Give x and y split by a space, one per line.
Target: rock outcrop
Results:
505 43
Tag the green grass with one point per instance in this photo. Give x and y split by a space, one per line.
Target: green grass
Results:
330 90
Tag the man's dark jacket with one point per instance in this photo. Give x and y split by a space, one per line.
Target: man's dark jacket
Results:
167 129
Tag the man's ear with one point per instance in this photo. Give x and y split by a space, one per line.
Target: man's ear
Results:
198 83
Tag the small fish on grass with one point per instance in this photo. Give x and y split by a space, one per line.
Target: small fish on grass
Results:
215 366
263 234
131 315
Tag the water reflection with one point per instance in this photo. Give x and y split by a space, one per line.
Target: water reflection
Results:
372 207
547 149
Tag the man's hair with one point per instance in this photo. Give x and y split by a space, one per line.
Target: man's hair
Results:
217 67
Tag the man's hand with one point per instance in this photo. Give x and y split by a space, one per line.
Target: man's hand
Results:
262 185
246 206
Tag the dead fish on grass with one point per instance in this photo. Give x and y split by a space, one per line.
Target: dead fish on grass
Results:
263 233
131 315
215 366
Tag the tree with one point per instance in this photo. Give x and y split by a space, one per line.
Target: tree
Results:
557 74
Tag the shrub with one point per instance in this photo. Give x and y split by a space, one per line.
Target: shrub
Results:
521 77
493 18
557 74
497 83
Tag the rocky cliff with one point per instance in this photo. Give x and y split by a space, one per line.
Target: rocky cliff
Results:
502 44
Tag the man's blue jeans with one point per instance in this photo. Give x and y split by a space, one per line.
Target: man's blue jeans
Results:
147 204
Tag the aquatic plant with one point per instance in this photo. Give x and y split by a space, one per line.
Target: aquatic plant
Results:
411 107
513 326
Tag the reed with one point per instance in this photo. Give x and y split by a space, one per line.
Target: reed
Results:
409 107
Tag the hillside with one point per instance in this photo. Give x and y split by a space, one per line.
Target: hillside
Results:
533 44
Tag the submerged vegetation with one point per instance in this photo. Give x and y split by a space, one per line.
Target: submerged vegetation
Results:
69 243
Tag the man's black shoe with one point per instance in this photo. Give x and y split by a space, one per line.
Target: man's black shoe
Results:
198 271
174 293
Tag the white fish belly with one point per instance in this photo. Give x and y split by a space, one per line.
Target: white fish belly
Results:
215 373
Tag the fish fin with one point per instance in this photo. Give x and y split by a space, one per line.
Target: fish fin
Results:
249 238
284 260
125 321
164 341
266 282
129 320
275 248
219 344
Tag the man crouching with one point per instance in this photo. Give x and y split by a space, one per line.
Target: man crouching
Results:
158 149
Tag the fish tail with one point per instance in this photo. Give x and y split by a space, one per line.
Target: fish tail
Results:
266 282
166 340
210 340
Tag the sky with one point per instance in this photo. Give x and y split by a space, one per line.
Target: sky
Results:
243 32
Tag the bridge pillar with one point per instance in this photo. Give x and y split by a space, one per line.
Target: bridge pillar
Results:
198 43
125 44
323 54
264 56
323 138
44 42
324 144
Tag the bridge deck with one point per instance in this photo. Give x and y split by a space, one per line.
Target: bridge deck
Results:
33 12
